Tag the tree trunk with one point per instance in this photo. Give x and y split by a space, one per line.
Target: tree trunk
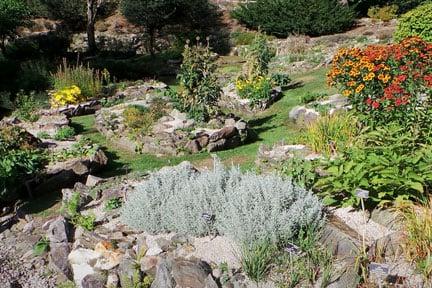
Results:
152 33
91 19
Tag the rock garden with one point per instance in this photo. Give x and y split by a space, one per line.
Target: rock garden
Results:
206 144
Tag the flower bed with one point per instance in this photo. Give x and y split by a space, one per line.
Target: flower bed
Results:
385 82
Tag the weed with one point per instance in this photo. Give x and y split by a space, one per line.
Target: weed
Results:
85 221
43 135
64 133
113 203
41 247
257 258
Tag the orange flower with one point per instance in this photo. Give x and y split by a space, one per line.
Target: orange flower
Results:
360 88
346 93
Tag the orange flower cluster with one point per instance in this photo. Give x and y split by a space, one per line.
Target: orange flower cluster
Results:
384 77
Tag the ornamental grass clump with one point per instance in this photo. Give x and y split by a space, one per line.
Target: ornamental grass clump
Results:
244 206
386 82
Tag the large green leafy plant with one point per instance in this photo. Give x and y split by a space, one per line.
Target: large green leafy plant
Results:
391 163
417 22
199 90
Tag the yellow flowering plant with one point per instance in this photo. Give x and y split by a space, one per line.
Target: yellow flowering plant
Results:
255 89
66 96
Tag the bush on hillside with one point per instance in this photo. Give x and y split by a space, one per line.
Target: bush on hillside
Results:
282 18
417 22
13 13
243 206
72 12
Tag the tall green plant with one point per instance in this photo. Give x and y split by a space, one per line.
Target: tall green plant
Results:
199 89
89 80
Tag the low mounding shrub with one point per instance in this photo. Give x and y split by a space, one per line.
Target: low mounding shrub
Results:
245 207
417 22
72 12
386 82
282 18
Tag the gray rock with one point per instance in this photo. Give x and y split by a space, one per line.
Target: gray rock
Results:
163 276
189 273
58 258
126 271
112 280
58 231
224 133
149 264
163 243
93 281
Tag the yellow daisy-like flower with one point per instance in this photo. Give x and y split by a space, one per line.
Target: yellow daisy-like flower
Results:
360 88
346 93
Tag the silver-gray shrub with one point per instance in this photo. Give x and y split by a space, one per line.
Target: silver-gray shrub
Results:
245 206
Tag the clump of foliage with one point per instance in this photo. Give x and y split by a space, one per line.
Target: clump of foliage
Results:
88 80
257 258
83 148
67 96
113 203
390 162
385 13
64 133
244 206
26 106
41 246
418 220
283 18
72 207
13 13
20 158
140 119
386 82
300 171
417 22
85 221
199 90
362 6
309 264
312 97
331 134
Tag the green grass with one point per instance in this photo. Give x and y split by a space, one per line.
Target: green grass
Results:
269 127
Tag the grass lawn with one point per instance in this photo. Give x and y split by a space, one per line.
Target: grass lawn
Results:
269 127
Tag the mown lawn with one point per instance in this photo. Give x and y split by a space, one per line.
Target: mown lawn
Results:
269 127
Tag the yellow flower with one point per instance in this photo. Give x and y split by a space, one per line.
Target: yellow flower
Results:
360 88
346 93
369 77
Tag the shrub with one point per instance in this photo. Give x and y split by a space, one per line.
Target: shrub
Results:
300 171
26 107
88 80
245 207
282 18
385 13
312 97
67 96
390 164
331 134
19 159
138 119
417 22
33 76
199 90
64 133
280 79
13 13
362 6
386 83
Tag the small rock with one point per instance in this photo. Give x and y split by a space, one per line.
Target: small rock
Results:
28 228
92 181
149 264
163 243
58 258
93 281
58 231
154 251
189 273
